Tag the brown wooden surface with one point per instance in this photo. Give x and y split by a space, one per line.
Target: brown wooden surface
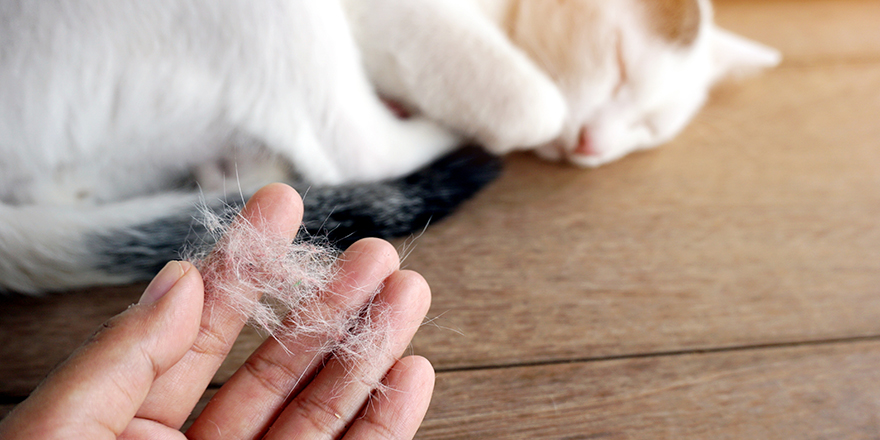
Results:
726 285
785 393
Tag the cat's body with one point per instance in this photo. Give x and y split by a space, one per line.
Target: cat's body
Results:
106 106
106 100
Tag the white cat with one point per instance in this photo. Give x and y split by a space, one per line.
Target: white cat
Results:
107 105
584 80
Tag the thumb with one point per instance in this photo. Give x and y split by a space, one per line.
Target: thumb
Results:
98 390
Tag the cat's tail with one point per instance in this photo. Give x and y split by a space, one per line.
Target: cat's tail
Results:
56 248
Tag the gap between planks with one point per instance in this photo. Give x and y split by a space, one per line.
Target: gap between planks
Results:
669 354
8 402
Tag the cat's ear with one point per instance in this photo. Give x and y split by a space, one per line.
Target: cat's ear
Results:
735 56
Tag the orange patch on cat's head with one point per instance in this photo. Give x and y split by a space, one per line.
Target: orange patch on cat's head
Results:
556 34
677 21
560 34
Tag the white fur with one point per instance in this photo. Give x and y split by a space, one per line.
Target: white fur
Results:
106 103
446 59
101 100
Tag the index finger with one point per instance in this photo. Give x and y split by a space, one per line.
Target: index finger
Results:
275 209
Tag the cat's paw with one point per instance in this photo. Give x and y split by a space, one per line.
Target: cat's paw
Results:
591 151
584 159
533 116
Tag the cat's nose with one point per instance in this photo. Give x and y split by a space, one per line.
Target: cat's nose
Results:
585 145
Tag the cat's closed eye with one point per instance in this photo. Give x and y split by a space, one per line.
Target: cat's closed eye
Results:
621 66
646 71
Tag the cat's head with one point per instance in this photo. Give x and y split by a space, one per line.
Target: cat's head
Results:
634 72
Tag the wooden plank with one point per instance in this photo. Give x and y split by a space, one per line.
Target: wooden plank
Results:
825 391
808 32
758 225
812 392
38 333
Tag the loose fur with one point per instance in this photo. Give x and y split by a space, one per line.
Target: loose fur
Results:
292 281
112 112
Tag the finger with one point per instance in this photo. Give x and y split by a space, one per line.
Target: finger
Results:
98 390
398 412
337 394
250 401
275 209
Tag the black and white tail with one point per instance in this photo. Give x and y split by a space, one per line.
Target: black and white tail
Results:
55 248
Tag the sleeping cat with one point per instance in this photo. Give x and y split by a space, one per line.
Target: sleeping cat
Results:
108 106
583 80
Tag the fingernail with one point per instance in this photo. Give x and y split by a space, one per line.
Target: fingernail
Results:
162 283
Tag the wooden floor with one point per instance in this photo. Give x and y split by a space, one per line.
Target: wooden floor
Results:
725 286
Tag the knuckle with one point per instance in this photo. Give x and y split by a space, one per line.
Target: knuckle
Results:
209 343
320 414
274 376
378 429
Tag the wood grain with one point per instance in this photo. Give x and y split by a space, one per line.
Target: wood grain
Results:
812 392
743 231
38 333
827 391
808 31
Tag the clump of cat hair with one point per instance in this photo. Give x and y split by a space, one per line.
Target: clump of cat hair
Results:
280 287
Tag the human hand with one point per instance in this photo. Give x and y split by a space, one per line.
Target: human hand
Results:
142 373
